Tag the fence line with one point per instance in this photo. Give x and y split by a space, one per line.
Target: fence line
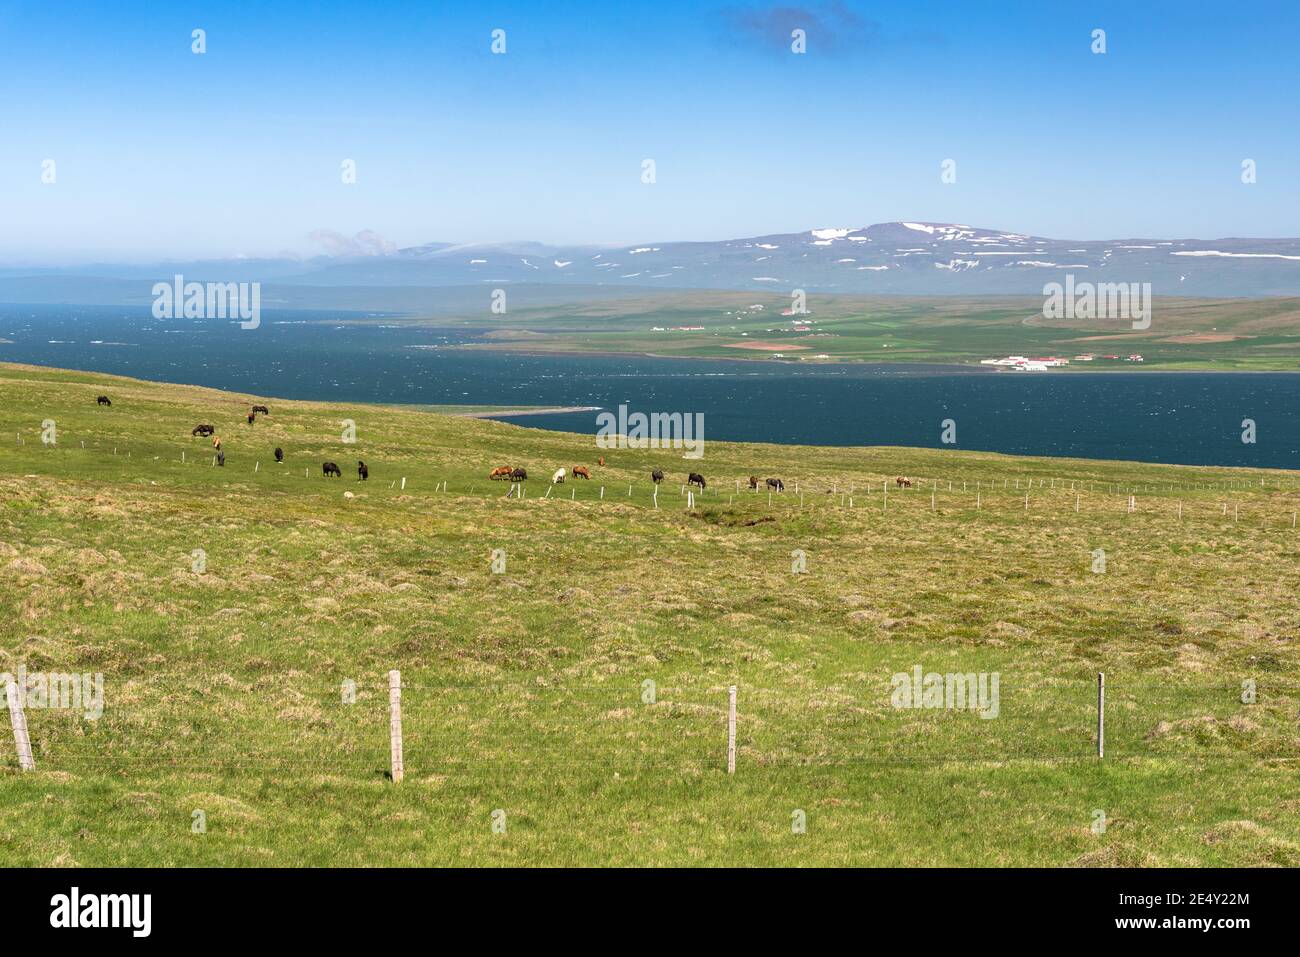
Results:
1049 721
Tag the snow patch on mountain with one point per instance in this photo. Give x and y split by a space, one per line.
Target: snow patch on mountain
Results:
1215 252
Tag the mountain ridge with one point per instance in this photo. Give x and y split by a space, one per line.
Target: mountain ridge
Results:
904 257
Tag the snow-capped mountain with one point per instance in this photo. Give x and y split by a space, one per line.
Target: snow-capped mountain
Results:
905 257
912 258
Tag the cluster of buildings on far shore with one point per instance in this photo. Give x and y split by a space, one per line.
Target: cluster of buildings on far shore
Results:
1043 363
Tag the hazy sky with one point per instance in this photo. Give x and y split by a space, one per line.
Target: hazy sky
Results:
162 153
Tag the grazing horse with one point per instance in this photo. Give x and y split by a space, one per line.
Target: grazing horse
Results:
261 408
601 461
580 471
776 485
753 481
363 473
103 400
558 477
501 473
657 476
695 478
251 417
216 442
519 475
202 430
279 454
329 468
903 482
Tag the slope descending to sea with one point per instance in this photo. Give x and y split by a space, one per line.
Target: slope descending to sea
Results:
565 656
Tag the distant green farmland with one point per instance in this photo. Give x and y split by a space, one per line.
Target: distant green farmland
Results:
1204 334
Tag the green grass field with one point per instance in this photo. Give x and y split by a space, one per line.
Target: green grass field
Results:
524 688
1185 334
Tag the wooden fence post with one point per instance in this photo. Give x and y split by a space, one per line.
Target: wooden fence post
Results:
1101 714
19 720
731 730
395 723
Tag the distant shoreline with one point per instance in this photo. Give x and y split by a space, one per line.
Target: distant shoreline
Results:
555 410
916 366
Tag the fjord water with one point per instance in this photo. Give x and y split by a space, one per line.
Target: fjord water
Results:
1189 418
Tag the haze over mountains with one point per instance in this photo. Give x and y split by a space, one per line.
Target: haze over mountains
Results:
895 258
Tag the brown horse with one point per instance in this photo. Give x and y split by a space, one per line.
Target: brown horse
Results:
601 461
903 482
501 473
581 471
753 481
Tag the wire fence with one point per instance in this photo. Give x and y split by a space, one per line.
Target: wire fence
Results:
470 729
1268 501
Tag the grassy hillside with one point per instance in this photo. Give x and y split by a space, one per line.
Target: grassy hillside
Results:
524 689
1211 334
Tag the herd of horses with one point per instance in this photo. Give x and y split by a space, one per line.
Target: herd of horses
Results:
205 430
502 473
508 473
694 479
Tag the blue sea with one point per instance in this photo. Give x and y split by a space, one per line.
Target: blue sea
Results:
1190 418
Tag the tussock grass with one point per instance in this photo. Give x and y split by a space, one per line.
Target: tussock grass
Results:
524 690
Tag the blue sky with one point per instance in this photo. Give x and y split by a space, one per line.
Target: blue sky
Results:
161 153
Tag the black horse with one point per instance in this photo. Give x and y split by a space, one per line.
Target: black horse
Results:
329 468
279 454
776 484
104 400
657 476
202 430
519 475
695 478
363 473
261 408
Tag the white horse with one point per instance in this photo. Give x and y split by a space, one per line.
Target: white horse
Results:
558 477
